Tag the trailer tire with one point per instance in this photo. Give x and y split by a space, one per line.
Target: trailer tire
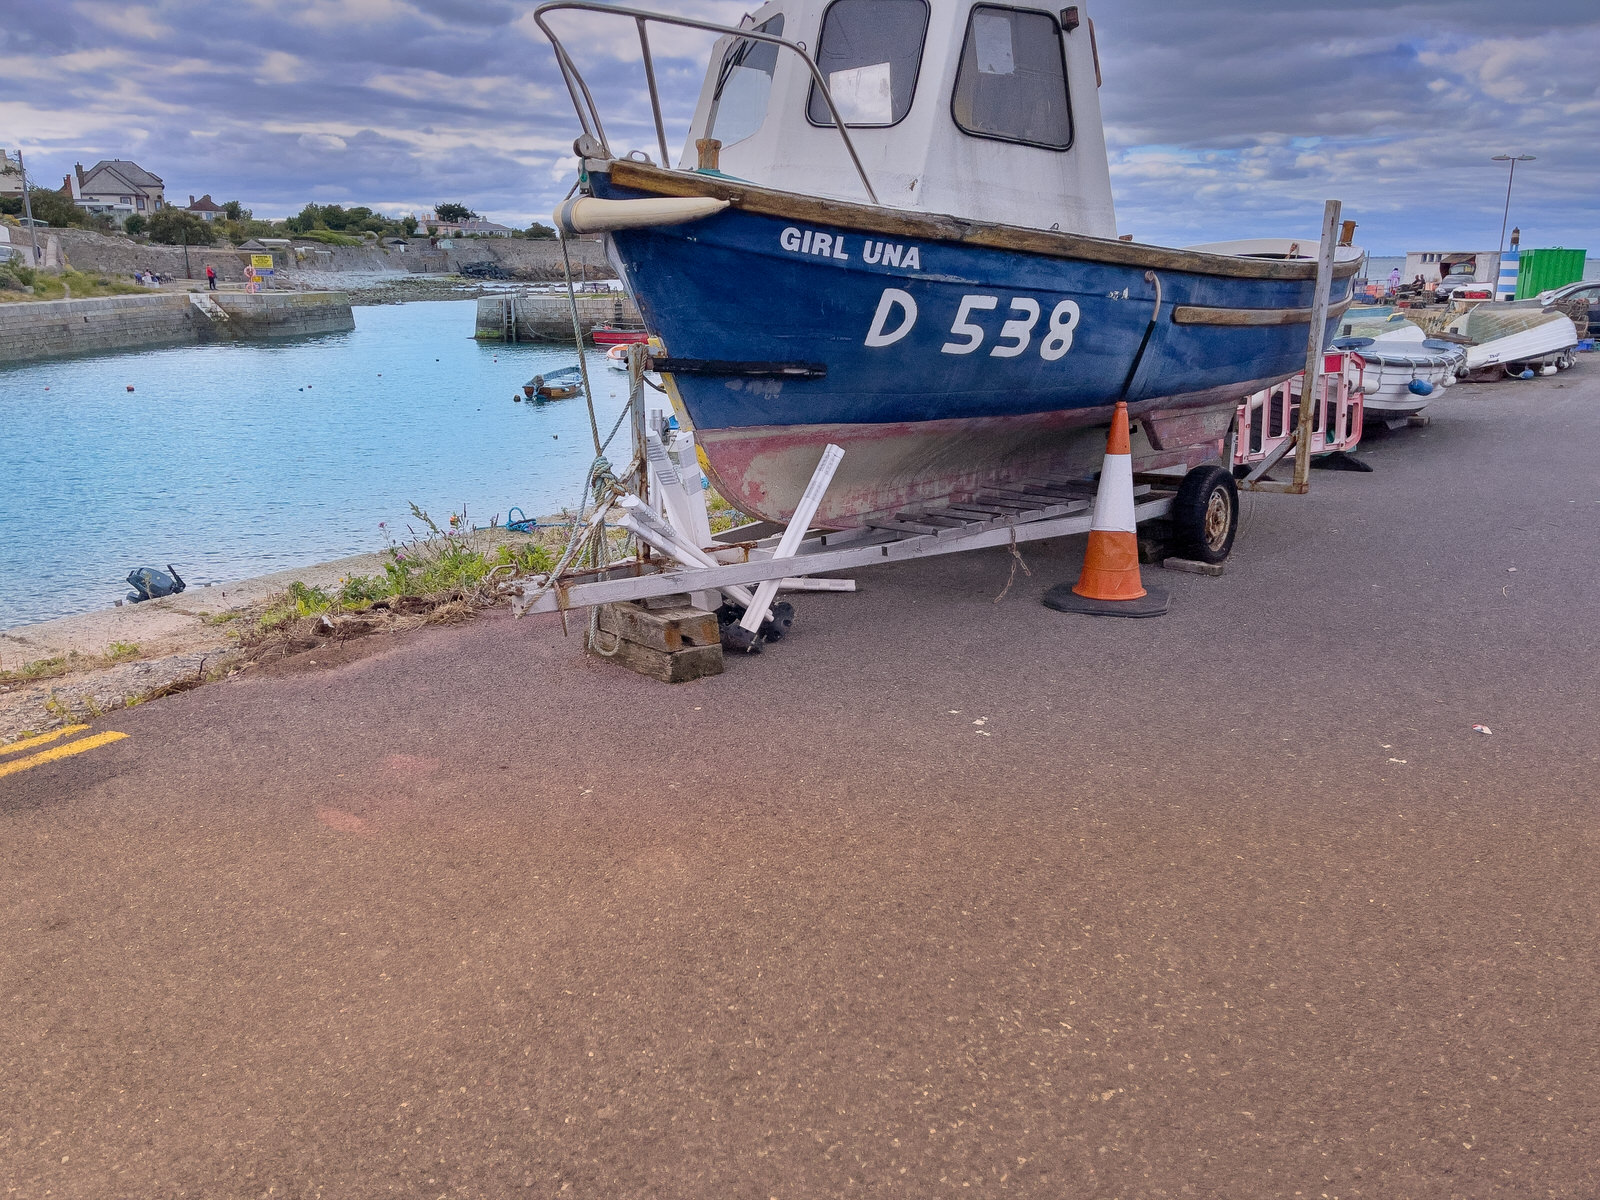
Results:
1205 514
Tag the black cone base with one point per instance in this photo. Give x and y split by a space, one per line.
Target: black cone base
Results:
1064 599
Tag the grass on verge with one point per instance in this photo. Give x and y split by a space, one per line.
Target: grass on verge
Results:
63 664
14 278
438 564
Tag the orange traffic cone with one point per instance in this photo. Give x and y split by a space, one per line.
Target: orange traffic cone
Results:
1109 584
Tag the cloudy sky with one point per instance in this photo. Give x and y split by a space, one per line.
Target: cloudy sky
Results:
1226 118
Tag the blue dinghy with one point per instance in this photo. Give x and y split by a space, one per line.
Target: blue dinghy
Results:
802 299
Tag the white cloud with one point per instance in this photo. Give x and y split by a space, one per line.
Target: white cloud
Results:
1231 118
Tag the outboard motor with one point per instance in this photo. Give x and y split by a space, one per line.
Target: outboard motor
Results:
149 584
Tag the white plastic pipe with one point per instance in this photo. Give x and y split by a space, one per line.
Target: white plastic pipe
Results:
638 520
799 524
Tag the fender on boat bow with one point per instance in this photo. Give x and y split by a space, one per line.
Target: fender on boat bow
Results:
587 214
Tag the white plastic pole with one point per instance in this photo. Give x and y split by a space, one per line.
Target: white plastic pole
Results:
672 492
639 520
799 524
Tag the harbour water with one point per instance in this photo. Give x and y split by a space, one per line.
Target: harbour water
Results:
233 460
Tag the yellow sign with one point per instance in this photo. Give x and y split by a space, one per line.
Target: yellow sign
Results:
261 262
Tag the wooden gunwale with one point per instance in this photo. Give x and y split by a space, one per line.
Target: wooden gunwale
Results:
1193 314
867 218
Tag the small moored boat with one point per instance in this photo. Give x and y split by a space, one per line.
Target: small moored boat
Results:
617 335
557 385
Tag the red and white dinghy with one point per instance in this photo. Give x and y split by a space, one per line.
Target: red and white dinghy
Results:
611 335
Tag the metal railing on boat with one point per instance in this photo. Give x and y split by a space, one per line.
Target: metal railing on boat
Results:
589 112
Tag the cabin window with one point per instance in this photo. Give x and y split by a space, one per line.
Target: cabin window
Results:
870 53
1012 81
744 86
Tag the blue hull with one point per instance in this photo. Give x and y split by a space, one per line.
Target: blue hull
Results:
725 288
954 362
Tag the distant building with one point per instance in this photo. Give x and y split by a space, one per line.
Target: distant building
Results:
116 186
10 174
205 209
485 229
1434 265
435 226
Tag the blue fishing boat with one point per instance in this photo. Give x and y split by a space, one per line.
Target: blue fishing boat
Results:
904 243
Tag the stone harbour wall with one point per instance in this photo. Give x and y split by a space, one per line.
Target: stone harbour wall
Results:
52 328
519 258
286 314
546 316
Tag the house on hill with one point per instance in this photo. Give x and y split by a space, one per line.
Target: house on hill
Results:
436 226
116 186
477 228
206 209
10 174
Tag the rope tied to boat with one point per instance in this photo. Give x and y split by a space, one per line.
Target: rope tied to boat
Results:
577 339
1016 561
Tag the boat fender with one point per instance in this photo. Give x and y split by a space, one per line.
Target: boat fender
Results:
589 214
1420 387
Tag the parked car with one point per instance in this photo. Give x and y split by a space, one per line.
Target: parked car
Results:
1458 281
1588 290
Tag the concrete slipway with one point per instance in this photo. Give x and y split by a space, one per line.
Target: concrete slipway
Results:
937 897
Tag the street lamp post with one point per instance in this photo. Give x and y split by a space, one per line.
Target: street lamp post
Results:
27 208
1513 159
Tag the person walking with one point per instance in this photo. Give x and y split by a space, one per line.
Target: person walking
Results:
1394 279
211 277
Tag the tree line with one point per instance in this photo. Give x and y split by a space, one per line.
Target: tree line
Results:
331 223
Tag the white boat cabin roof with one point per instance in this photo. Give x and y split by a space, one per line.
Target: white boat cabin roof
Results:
973 109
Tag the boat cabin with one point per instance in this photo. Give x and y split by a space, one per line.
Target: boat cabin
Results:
980 110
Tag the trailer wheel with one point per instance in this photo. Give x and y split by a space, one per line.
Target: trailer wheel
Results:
1205 514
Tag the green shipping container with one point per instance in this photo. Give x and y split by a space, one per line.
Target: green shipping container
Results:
1542 270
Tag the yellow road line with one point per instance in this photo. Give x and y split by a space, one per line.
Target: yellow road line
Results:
71 748
30 743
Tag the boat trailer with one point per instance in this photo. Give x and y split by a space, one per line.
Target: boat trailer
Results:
751 564
666 511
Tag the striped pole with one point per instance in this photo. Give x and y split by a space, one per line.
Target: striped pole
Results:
1510 267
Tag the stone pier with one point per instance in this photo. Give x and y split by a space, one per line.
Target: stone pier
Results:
546 316
51 328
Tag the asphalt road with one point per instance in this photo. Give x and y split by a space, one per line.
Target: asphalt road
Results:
940 897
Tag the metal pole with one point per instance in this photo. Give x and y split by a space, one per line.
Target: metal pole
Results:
27 209
187 273
638 357
753 35
1309 395
1506 218
1511 179
655 99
